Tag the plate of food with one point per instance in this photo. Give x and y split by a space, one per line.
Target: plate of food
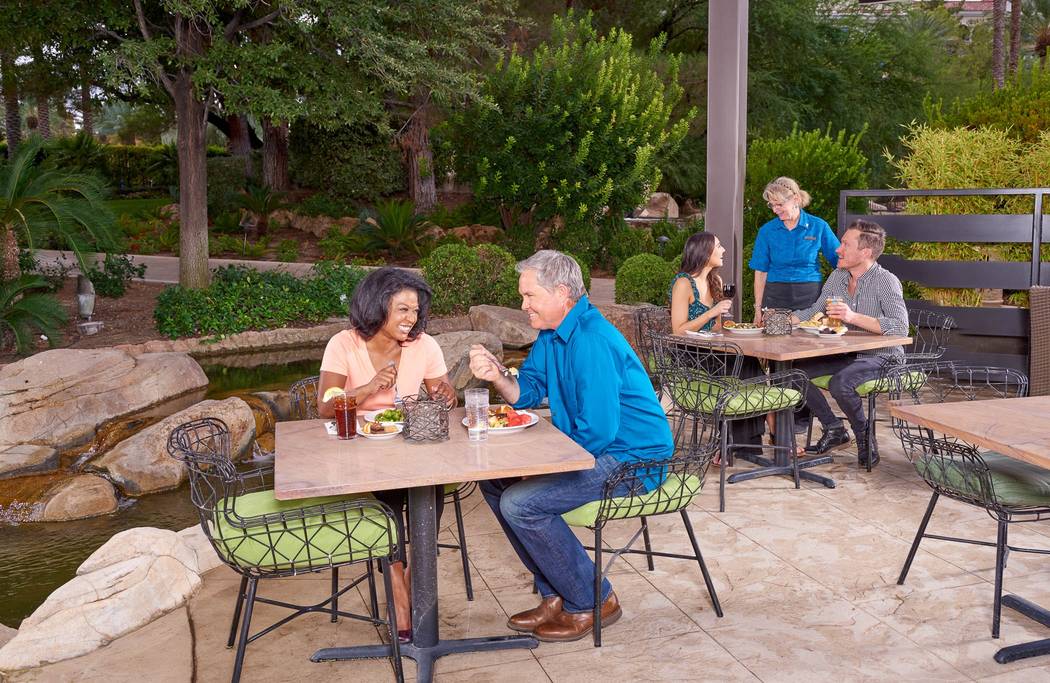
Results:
741 328
826 331
505 420
388 416
379 430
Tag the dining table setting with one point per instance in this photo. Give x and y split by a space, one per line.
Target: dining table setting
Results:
311 460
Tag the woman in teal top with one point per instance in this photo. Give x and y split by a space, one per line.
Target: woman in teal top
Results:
696 292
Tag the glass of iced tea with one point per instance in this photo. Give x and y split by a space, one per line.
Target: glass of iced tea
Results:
345 416
832 321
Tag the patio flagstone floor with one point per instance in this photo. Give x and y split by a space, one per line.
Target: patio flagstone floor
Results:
807 580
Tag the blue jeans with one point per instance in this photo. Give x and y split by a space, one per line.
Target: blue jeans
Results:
529 510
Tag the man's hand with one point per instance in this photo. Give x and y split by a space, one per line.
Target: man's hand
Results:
484 365
840 310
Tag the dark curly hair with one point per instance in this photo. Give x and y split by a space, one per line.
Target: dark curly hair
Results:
370 304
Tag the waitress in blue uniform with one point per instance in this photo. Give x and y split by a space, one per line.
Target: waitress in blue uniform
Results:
786 257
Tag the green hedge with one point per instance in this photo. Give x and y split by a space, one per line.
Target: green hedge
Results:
463 276
350 162
241 299
645 278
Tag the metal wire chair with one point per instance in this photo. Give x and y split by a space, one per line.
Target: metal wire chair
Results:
1009 490
624 496
303 396
710 396
260 537
651 320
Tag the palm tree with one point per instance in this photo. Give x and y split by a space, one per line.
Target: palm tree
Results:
998 32
24 308
1036 26
1015 35
40 202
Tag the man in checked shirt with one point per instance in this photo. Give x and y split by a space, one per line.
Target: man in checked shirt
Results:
870 298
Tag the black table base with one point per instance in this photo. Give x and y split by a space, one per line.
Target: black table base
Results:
1034 648
426 656
426 646
769 468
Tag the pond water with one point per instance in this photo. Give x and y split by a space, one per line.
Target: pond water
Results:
35 559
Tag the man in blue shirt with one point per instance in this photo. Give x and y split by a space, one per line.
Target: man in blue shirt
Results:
601 397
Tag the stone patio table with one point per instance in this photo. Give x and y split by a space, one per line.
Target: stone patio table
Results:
310 463
1015 427
782 351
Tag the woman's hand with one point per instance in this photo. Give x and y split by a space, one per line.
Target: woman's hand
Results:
758 315
384 379
443 391
722 307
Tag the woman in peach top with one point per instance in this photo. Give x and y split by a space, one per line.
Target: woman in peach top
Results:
386 354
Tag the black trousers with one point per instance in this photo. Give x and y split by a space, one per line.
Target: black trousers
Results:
396 499
847 373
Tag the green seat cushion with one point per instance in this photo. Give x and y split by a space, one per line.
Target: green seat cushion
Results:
1015 483
753 398
451 488
674 494
308 543
912 381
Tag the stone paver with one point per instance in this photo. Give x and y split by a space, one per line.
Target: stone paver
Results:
807 579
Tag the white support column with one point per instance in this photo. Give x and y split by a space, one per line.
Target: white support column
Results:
727 130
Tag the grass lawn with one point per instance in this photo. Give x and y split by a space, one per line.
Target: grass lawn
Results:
136 208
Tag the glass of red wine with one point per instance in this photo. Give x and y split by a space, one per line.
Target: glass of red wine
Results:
728 292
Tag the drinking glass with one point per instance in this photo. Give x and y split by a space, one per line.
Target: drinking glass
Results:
345 416
832 322
728 292
476 403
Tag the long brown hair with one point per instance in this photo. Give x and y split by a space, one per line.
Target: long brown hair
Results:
697 252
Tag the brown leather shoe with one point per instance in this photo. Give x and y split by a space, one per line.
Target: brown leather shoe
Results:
527 621
568 626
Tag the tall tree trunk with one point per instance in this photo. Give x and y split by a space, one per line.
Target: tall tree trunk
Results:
88 123
419 159
275 155
43 116
13 119
240 144
9 268
193 185
998 30
1015 35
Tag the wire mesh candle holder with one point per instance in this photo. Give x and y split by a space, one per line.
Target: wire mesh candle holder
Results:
425 419
776 321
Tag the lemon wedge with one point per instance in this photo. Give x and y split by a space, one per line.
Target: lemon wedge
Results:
331 393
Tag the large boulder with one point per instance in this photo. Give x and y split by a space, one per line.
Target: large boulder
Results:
6 634
477 233
140 464
79 497
59 398
660 205
456 348
622 317
137 576
27 458
511 325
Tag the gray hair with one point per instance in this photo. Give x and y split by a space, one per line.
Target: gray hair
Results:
554 268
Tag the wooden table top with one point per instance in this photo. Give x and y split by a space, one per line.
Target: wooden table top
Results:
1016 427
309 462
799 344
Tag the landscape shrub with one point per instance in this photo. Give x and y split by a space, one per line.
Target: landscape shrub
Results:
396 228
324 204
225 181
645 278
288 251
26 308
241 298
463 276
579 124
357 161
54 273
963 158
339 245
111 280
629 241
1021 108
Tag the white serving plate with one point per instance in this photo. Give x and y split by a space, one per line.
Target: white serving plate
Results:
748 332
817 333
510 430
398 427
